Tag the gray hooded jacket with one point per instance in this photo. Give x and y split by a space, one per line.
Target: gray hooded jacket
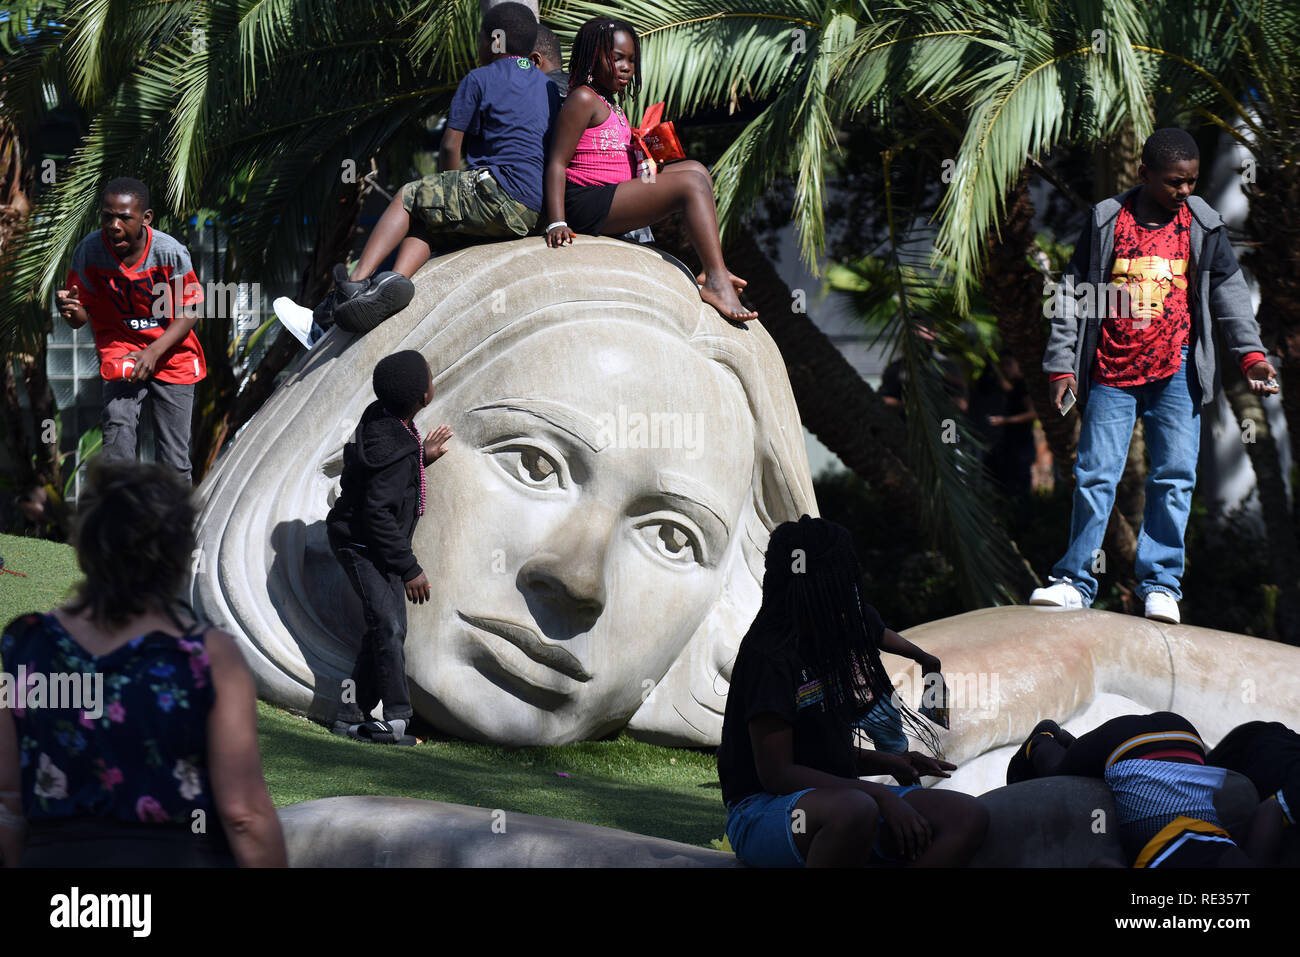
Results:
1217 290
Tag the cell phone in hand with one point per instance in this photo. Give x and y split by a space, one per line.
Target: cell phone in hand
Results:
934 700
1067 401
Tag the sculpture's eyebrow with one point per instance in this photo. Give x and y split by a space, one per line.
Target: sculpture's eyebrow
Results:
678 486
557 414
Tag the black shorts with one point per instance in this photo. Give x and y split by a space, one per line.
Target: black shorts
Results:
587 207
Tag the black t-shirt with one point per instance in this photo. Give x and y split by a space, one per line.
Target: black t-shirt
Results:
769 679
1020 434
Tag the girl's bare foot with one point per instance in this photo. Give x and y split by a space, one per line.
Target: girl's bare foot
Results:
736 281
722 297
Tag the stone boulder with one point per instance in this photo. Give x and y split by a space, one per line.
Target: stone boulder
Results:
406 832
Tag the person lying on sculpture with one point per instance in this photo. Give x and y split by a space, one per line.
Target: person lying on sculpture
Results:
1267 752
789 764
1156 768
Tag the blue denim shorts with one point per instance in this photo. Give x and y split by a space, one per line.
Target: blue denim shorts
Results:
884 725
760 832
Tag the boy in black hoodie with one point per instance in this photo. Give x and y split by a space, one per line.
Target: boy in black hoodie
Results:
370 529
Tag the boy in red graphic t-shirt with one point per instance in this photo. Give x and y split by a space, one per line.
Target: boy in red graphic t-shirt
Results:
131 283
1147 352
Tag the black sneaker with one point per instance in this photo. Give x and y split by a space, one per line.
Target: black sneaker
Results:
385 295
344 286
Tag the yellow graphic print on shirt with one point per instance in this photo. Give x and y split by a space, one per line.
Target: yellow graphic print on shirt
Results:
1147 281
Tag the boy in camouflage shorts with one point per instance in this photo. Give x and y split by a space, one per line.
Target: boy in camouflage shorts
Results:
489 188
467 202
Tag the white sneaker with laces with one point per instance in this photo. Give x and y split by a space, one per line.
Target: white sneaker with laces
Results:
1161 606
1062 595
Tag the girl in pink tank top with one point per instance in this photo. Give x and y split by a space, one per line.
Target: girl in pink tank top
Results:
604 153
591 184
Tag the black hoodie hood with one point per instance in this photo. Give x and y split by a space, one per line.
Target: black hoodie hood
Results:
382 439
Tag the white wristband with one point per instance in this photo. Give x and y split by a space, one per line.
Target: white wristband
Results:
558 222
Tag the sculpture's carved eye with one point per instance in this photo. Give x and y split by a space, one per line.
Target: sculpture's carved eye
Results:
672 539
530 465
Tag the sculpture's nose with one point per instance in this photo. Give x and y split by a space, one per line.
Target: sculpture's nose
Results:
566 576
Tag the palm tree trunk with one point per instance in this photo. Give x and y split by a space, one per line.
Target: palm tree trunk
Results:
1013 289
1270 483
835 403
37 461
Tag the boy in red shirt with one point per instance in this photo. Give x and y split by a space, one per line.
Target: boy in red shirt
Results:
129 281
1169 252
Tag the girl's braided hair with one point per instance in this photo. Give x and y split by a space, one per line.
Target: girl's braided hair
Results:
594 44
812 607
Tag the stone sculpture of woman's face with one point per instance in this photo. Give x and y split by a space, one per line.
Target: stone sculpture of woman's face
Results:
577 530
592 534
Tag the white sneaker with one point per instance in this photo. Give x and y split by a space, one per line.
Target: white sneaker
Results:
1062 595
295 318
1162 607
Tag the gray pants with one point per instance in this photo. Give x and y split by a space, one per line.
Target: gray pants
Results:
172 404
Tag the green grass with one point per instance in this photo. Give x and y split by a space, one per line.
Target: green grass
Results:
51 570
663 792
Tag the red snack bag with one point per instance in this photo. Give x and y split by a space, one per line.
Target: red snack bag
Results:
656 141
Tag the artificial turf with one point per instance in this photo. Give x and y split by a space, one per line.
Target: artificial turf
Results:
51 570
663 792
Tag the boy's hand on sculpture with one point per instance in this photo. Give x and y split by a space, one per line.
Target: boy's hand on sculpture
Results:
417 589
1058 390
435 443
70 307
1263 379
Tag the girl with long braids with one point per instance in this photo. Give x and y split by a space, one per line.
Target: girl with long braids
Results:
807 671
591 185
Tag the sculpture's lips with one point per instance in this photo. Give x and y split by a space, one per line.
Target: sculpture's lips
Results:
532 644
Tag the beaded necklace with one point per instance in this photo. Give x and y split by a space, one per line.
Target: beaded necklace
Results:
616 110
415 435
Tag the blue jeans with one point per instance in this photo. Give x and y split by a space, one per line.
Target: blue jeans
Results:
1171 420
